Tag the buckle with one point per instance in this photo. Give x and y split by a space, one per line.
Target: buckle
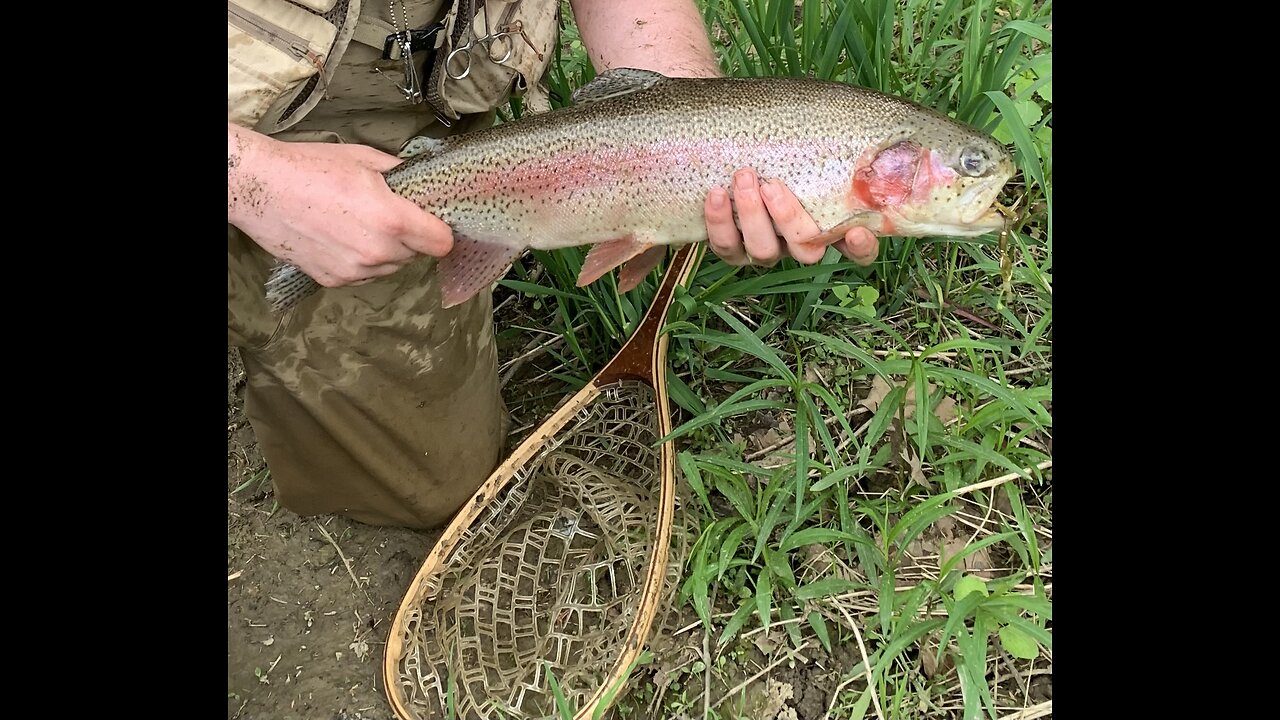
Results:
423 38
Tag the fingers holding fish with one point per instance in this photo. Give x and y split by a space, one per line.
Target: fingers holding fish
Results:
752 239
722 232
791 221
772 223
379 249
759 237
326 209
859 245
359 266
796 225
421 232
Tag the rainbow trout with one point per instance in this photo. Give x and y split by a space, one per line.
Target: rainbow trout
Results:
627 168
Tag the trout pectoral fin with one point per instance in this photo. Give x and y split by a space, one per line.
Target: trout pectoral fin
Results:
605 256
636 268
471 266
827 237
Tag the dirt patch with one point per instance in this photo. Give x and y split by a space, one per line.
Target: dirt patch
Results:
303 640
797 689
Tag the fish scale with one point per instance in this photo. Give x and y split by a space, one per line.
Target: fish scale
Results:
628 168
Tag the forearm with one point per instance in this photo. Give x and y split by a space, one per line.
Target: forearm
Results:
666 36
245 149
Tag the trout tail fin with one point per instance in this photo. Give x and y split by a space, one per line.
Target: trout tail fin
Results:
287 286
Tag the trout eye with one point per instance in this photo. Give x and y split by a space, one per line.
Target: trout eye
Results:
974 161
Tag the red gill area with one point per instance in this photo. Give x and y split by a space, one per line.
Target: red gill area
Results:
900 174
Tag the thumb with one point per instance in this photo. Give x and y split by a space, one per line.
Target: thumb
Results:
423 232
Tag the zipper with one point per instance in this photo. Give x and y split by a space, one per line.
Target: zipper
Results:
505 19
281 39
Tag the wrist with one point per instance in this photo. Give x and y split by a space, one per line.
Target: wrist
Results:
245 152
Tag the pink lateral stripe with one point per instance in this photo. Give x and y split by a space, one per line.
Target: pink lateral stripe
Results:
559 175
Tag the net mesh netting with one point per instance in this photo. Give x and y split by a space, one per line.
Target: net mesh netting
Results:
549 576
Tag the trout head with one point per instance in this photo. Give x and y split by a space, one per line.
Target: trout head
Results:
940 178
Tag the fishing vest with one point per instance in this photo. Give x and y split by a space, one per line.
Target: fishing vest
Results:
281 54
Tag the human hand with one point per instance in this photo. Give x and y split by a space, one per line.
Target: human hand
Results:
767 210
326 208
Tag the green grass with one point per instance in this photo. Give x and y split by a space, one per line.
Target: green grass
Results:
913 522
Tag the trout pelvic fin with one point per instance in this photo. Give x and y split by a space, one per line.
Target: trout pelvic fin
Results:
605 256
470 267
287 286
639 266
615 82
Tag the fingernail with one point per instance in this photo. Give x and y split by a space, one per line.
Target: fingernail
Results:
744 180
770 190
718 198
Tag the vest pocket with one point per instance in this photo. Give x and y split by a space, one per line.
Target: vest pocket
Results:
485 76
273 47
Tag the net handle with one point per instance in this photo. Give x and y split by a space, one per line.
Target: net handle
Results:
644 358
638 359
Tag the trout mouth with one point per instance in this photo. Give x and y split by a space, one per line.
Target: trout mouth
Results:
969 213
988 222
980 220
976 203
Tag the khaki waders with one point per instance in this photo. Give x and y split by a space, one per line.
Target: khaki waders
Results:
369 401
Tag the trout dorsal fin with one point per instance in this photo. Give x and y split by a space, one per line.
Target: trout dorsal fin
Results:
615 82
420 145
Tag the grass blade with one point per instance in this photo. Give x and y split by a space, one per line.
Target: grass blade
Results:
748 342
1021 137
764 598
